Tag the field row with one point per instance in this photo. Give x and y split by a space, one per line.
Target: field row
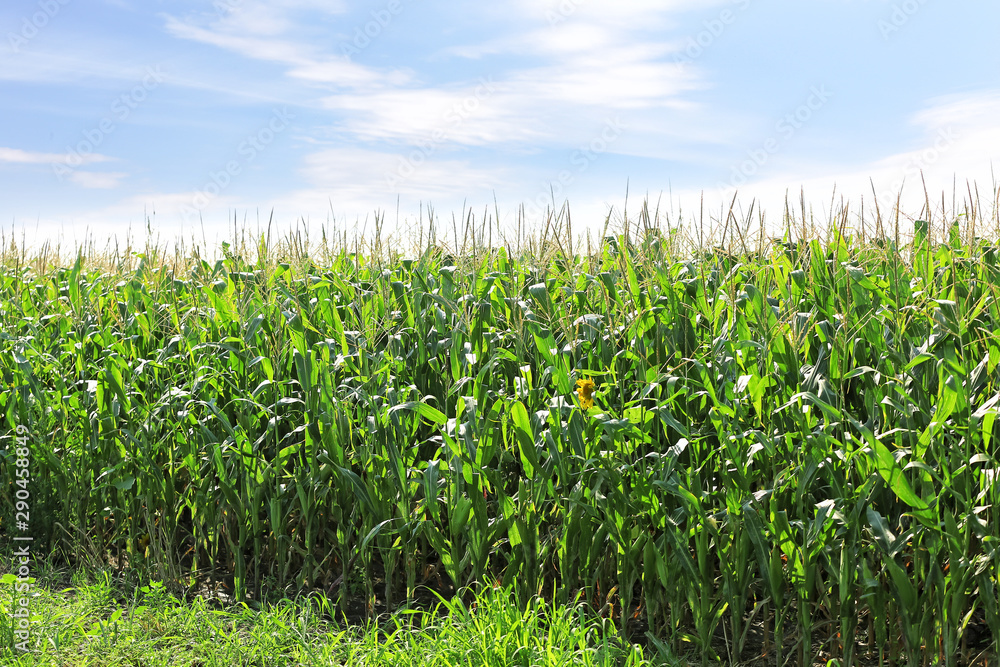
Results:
766 452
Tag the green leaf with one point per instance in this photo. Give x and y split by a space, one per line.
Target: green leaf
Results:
526 442
905 590
124 484
894 476
423 409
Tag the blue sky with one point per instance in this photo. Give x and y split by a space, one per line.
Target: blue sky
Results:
188 114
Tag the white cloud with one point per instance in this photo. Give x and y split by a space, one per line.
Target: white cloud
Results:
959 109
557 72
342 72
98 180
595 60
622 15
469 115
18 156
69 65
252 46
360 175
344 182
959 142
126 218
554 104
262 17
269 33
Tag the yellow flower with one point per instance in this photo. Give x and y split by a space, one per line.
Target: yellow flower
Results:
585 392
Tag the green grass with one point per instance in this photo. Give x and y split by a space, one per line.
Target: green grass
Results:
102 621
791 449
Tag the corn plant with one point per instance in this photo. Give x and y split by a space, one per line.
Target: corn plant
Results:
793 434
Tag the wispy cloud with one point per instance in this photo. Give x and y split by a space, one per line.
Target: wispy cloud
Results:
358 174
269 33
589 72
52 67
97 180
593 60
446 101
18 156
256 46
630 15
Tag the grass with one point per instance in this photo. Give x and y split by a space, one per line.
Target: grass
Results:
100 620
734 447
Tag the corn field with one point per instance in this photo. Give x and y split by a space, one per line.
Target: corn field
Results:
787 450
